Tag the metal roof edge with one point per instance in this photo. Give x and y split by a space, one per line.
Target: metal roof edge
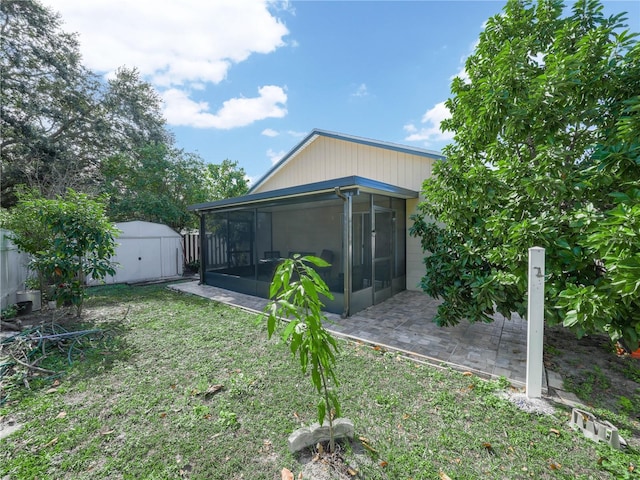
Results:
353 181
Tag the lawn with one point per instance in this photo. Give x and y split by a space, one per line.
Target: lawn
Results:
144 401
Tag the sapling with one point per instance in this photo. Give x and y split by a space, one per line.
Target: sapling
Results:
295 296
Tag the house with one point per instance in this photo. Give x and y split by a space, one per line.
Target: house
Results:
340 197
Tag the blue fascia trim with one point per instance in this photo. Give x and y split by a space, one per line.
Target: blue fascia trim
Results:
349 138
327 186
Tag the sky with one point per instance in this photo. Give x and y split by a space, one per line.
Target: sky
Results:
246 80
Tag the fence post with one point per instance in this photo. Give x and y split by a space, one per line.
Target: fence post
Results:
535 322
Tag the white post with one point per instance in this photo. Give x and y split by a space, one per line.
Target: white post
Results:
535 322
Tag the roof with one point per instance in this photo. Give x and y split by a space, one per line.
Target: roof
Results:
334 186
142 229
315 133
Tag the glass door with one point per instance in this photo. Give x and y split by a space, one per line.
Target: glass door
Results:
384 252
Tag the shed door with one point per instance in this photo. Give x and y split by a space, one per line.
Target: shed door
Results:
140 259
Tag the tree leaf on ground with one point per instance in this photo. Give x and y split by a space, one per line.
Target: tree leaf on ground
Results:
487 446
213 389
51 443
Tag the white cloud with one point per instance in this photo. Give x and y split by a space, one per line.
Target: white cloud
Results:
171 43
274 156
430 132
185 45
538 59
462 73
361 91
283 5
236 112
270 132
295 134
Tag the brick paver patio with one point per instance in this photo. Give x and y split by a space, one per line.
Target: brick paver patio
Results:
404 323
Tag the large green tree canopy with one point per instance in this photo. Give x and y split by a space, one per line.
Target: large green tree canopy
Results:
62 126
157 183
58 119
50 117
546 153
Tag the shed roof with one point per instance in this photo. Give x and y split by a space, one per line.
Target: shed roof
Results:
315 133
142 229
335 186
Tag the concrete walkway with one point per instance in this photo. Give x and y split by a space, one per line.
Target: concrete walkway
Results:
404 323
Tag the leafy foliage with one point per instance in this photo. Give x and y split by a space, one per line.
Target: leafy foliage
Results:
155 184
226 180
546 152
51 118
295 292
65 127
158 183
69 239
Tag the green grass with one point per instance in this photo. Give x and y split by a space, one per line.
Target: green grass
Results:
135 406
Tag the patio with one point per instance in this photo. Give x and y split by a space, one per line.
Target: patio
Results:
403 323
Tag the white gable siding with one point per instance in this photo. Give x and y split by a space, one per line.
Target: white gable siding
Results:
327 158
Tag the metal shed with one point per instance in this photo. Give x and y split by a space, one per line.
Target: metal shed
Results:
146 251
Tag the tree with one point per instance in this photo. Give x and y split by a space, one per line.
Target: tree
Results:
545 153
156 184
68 238
226 180
295 295
58 120
50 117
134 110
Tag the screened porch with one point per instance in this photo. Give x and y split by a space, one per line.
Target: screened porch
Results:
358 226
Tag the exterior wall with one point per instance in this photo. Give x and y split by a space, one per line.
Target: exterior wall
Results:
327 158
415 255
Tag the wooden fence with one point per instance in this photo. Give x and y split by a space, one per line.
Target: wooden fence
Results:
191 244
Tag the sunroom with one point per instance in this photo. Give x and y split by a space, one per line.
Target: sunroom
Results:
356 224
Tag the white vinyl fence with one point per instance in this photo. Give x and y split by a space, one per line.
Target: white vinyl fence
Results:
145 251
13 270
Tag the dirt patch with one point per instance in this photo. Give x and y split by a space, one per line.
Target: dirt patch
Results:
8 426
318 464
592 370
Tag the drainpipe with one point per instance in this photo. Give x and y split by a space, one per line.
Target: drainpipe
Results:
347 241
202 245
